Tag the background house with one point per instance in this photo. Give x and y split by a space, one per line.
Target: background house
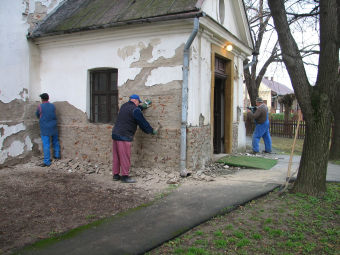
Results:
271 91
90 56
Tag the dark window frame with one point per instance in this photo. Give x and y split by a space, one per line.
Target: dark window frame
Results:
106 93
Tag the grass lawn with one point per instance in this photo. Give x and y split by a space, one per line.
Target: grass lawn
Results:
286 144
288 224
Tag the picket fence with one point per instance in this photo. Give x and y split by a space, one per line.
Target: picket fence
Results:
280 128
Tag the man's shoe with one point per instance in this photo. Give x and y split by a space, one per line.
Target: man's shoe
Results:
42 165
266 152
254 152
116 177
56 158
128 180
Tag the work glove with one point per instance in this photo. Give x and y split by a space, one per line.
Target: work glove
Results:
154 132
147 103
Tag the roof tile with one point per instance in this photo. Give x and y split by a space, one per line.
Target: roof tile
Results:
86 14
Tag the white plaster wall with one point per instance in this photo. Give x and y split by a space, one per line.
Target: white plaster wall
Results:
211 8
164 75
14 47
205 80
14 54
65 61
238 86
238 101
19 62
194 84
199 86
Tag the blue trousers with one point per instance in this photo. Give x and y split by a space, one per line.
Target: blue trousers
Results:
262 131
47 146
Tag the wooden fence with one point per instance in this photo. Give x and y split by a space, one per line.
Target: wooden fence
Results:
280 128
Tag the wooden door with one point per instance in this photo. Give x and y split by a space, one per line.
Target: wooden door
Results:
220 80
217 116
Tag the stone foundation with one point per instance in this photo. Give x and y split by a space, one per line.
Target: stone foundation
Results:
199 147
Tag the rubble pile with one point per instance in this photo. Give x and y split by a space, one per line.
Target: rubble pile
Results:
151 176
214 170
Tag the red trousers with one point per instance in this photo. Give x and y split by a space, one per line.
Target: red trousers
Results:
121 151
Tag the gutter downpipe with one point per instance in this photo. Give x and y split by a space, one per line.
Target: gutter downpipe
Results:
255 54
183 169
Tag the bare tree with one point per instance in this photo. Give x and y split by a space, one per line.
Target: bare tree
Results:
287 100
315 101
335 146
259 20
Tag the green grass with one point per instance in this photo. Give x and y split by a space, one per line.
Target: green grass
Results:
286 144
289 224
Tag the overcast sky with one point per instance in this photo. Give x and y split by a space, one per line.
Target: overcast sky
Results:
305 34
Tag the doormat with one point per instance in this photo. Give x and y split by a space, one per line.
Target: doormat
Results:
249 162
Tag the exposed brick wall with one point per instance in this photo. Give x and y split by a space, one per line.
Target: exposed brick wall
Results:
93 143
88 142
198 147
161 151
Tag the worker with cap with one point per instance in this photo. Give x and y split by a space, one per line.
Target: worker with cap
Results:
48 128
130 115
261 118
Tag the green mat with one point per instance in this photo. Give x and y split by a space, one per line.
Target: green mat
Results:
248 162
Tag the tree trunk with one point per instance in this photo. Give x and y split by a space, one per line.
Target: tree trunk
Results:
314 100
335 145
312 173
288 129
250 78
288 109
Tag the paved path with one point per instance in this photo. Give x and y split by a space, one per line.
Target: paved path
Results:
138 231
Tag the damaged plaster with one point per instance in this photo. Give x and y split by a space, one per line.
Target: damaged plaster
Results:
164 75
24 94
158 63
34 13
126 74
16 148
126 52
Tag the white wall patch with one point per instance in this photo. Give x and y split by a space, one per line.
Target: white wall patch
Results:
10 130
125 74
16 149
164 75
28 143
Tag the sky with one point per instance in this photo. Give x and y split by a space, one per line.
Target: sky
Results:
305 34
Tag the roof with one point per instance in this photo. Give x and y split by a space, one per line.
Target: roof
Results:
80 15
277 87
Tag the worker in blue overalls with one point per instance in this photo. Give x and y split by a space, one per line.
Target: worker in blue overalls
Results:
48 128
261 118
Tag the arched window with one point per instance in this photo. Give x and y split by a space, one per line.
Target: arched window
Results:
221 8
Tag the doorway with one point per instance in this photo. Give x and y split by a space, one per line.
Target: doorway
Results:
219 106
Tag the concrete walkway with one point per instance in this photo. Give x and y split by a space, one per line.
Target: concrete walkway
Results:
140 230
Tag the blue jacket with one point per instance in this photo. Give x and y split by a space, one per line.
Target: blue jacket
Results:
47 119
129 117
